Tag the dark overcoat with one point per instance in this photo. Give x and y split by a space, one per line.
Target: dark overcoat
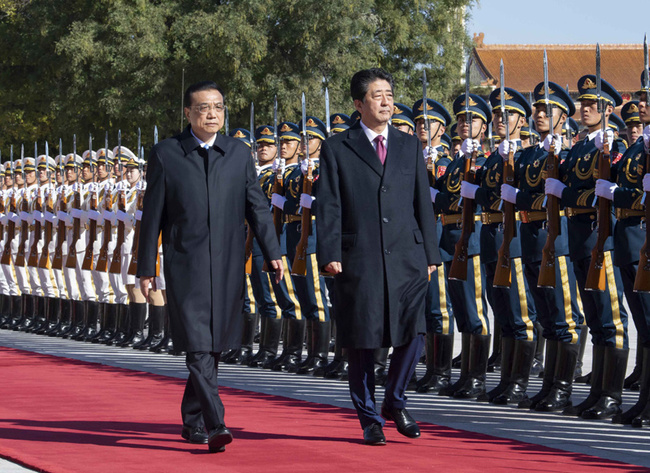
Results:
378 222
199 200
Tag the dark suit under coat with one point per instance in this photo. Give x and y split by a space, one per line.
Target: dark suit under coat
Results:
379 223
203 236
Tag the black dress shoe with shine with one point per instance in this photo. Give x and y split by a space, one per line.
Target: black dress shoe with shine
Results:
374 435
406 425
218 439
196 435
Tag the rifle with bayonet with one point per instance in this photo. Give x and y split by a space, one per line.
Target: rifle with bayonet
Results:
57 261
3 207
299 266
102 259
133 265
642 279
546 276
248 246
458 268
596 277
431 165
502 274
11 225
24 224
44 261
92 224
531 135
71 261
116 260
32 259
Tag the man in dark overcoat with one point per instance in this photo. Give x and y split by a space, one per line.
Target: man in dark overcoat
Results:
377 236
201 187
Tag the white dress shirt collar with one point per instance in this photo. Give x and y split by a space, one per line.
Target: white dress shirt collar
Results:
372 135
207 144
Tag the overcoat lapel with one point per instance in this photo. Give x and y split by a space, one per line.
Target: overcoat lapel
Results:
358 142
393 155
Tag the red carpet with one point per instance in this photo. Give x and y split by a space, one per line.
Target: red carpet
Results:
62 415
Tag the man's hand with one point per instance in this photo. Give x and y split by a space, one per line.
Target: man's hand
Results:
276 264
432 268
145 282
333 268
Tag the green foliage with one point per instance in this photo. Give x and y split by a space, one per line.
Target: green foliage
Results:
85 66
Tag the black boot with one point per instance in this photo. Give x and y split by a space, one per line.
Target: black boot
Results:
339 364
475 384
7 302
596 390
524 353
42 324
4 316
611 396
537 368
321 336
27 319
584 338
443 348
251 320
78 319
381 366
552 347
123 325
293 346
260 351
422 384
164 345
109 328
38 318
632 381
507 359
494 362
94 319
102 317
156 328
269 342
310 348
137 315
637 410
559 396
464 367
66 319
54 311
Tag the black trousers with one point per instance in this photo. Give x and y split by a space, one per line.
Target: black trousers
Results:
201 404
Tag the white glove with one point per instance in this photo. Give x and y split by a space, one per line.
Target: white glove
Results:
278 164
505 147
140 185
14 217
122 216
646 183
467 190
306 200
554 187
4 219
600 138
469 146
119 187
93 187
278 201
94 215
430 151
110 217
76 187
605 189
138 214
646 137
49 217
26 217
304 165
77 213
258 169
38 216
553 142
434 194
509 193
64 216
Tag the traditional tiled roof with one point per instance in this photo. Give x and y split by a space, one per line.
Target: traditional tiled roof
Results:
621 65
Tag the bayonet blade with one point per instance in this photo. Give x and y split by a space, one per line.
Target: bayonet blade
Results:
155 134
327 112
304 126
504 113
275 120
425 107
646 73
599 82
468 115
227 126
139 141
252 125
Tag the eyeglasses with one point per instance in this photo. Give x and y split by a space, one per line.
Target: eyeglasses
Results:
204 108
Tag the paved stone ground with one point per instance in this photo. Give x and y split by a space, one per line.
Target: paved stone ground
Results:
598 438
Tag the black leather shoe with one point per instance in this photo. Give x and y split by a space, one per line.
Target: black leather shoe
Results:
406 425
218 439
194 434
374 435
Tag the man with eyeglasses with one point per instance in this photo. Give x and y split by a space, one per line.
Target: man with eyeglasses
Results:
201 186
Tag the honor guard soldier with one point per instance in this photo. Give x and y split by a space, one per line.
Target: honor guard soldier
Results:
626 192
604 310
466 297
617 125
556 306
310 289
5 305
339 122
402 118
11 304
456 142
512 305
528 137
633 125
18 307
438 315
445 142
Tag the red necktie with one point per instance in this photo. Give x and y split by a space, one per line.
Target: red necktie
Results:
381 148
